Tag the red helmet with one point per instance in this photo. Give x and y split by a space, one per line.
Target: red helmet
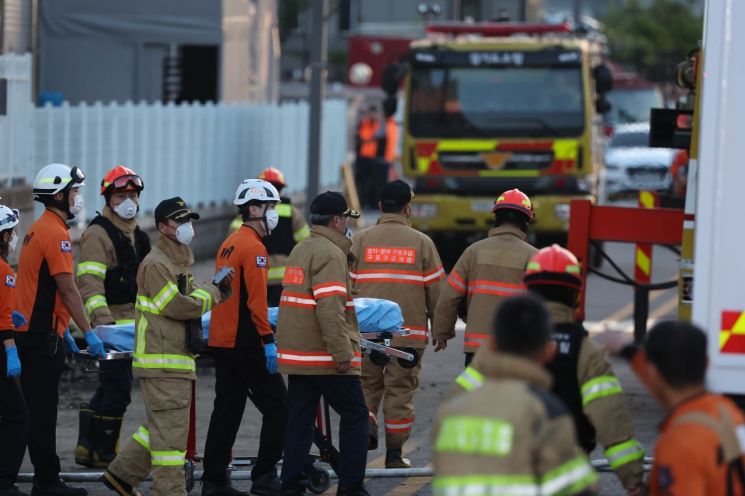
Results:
554 265
514 199
121 178
274 176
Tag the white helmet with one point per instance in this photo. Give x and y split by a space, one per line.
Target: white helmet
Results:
54 178
9 218
255 190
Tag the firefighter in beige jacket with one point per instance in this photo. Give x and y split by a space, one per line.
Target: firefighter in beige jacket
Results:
487 272
318 343
162 360
582 376
111 250
395 262
511 435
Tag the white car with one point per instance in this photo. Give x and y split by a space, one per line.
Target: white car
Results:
632 166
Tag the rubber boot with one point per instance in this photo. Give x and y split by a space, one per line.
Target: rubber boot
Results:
105 437
84 448
393 459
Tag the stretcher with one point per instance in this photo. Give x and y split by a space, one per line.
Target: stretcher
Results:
379 320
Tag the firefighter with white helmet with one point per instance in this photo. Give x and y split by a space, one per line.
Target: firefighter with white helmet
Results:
47 294
290 230
111 250
13 411
244 349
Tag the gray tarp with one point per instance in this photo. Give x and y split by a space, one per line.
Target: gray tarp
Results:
111 50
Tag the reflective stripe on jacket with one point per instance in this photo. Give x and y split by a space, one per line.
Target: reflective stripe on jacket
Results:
161 311
317 323
487 272
509 436
97 254
395 262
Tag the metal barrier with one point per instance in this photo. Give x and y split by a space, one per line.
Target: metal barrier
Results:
590 224
601 465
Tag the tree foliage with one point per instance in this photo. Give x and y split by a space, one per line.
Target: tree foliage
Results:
645 33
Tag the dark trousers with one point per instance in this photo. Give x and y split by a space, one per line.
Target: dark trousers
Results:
40 384
468 358
363 177
380 170
241 373
113 394
273 294
13 425
344 394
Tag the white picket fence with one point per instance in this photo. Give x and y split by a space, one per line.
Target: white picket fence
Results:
199 152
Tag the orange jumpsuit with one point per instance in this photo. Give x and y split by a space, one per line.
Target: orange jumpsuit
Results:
689 456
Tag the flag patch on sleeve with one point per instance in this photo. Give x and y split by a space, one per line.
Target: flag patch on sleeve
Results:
66 246
261 262
10 281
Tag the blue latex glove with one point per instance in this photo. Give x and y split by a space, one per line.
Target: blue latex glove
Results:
95 345
14 363
18 319
270 353
71 342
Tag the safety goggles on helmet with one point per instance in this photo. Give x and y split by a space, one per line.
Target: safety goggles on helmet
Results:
123 182
77 176
10 219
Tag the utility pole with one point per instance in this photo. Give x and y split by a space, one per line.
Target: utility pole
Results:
577 14
318 56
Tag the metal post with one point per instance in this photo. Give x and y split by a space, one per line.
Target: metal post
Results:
319 20
643 273
577 13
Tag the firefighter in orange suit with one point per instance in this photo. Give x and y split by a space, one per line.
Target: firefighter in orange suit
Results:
397 263
244 350
47 295
319 347
13 411
163 358
700 447
367 147
487 272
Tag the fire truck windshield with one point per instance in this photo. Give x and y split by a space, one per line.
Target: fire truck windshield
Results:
453 102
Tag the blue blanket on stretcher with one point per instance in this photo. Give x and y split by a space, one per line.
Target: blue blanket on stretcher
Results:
373 315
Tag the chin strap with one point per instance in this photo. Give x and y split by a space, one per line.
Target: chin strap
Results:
262 219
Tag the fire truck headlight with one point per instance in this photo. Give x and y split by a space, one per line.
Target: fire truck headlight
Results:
424 210
561 211
583 184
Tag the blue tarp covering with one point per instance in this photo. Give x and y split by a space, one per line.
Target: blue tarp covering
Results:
373 314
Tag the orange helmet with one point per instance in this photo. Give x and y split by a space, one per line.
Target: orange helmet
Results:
122 179
554 265
514 199
274 176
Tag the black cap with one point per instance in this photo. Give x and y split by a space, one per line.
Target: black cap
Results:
332 203
173 208
396 193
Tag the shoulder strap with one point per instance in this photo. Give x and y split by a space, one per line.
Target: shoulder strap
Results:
726 431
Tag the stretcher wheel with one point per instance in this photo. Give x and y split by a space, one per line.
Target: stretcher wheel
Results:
319 480
406 364
189 468
379 359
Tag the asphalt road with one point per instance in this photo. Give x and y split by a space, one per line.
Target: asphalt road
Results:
608 304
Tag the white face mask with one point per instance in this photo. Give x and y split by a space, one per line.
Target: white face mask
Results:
126 209
272 219
77 205
185 233
348 233
13 241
